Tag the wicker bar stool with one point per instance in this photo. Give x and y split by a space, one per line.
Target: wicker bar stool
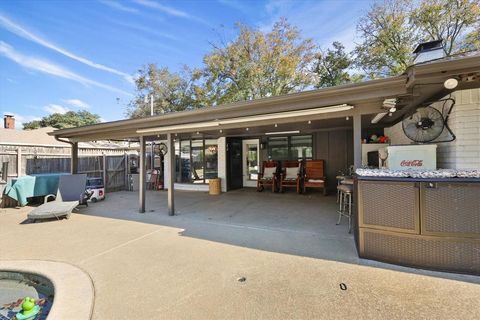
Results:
345 208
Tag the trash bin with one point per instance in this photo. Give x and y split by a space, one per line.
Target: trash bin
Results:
214 186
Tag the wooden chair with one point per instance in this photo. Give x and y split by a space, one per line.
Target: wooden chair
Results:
268 176
291 176
152 183
315 175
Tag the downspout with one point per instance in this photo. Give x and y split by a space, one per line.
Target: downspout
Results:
64 141
72 162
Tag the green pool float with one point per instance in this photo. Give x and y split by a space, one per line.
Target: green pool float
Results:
29 309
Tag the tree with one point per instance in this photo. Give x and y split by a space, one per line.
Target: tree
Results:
69 119
332 65
259 64
171 91
449 20
387 39
391 29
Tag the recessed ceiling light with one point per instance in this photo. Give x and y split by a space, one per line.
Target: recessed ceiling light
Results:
450 83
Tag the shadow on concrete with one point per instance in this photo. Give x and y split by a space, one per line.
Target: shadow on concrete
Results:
302 225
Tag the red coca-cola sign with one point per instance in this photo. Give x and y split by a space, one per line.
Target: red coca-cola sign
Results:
411 163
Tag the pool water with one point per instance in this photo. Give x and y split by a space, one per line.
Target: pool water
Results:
15 286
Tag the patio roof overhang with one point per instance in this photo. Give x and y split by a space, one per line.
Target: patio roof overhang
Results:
366 98
418 84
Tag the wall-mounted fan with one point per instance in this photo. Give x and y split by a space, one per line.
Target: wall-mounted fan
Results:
161 149
425 125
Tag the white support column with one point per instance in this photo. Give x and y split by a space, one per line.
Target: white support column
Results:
142 184
222 162
74 159
357 140
171 174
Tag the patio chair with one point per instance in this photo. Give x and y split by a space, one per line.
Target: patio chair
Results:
315 175
268 176
291 176
70 194
152 181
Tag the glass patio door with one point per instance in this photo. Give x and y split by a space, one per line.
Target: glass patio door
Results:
251 162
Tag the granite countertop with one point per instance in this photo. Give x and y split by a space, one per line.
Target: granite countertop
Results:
401 179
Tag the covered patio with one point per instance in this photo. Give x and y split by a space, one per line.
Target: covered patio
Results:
336 119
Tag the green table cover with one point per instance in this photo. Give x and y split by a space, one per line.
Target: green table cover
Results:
32 186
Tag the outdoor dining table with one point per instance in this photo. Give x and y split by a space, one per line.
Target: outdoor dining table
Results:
29 186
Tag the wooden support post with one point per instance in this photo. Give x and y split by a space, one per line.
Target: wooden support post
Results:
74 158
125 161
357 140
19 162
171 174
104 171
142 175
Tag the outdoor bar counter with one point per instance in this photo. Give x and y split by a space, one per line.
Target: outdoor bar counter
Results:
429 223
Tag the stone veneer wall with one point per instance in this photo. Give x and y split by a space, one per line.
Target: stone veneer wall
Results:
464 152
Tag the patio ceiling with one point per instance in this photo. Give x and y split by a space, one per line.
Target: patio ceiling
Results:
420 83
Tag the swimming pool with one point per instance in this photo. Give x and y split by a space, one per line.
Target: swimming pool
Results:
15 286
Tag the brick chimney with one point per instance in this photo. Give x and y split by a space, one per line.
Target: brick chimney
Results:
9 121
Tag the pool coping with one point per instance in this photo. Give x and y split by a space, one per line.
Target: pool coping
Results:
71 286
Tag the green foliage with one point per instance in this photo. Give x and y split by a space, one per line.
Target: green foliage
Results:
387 39
391 29
258 64
449 20
172 91
69 119
332 66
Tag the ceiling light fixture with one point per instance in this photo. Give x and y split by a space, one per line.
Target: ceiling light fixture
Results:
450 83
378 117
282 132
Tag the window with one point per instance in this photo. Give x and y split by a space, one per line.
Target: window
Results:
278 148
289 148
185 172
197 160
301 147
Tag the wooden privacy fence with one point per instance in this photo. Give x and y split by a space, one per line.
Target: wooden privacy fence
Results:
113 168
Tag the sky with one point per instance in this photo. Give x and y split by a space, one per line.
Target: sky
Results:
57 56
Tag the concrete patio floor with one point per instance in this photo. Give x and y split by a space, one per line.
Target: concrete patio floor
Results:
287 246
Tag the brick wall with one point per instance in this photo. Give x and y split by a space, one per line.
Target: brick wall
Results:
464 152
